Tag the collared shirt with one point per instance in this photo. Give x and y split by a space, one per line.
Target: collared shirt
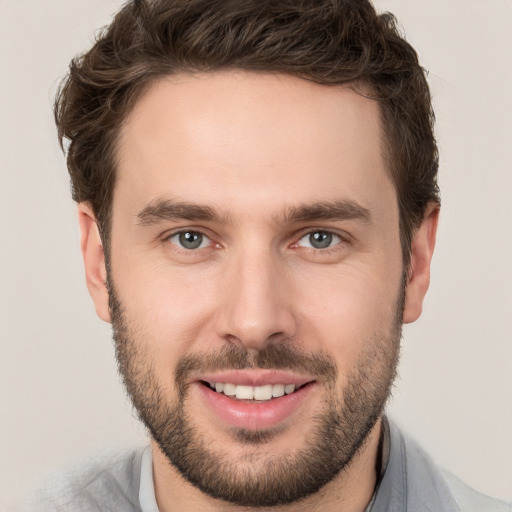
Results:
411 482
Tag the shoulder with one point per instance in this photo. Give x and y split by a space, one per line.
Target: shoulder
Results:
108 481
427 483
470 500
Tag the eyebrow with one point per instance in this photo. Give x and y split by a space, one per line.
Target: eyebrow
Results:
171 210
163 210
332 210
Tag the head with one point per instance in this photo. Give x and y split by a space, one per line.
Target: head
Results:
328 42
263 180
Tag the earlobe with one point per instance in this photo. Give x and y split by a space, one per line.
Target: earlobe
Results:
418 275
94 260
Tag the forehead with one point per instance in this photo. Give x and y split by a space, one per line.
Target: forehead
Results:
239 139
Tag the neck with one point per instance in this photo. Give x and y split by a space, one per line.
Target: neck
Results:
350 491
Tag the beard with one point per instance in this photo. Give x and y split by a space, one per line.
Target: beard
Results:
337 434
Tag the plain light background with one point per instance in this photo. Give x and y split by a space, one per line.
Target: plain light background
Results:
60 396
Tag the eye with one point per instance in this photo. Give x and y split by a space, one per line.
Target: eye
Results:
319 240
190 240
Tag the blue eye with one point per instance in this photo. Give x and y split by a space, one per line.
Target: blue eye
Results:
190 240
319 240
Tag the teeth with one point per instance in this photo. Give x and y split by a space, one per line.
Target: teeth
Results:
244 392
277 390
263 392
289 388
260 393
229 389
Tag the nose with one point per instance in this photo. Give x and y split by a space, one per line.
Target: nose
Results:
256 302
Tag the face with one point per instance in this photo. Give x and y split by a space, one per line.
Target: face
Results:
256 281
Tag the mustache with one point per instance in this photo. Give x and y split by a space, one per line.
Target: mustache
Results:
276 356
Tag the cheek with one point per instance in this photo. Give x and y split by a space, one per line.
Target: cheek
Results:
348 311
174 309
169 307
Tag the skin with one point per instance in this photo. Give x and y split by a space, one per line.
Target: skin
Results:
253 147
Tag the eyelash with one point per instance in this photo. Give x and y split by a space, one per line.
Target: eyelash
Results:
326 250
184 250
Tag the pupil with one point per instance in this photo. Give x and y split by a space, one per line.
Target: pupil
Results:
190 240
320 239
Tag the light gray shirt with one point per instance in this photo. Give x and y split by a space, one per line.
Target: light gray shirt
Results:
124 483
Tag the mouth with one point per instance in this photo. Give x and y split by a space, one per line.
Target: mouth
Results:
254 400
256 394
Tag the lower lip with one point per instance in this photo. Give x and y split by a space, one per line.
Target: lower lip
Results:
254 416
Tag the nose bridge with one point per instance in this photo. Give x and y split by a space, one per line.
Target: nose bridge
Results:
255 307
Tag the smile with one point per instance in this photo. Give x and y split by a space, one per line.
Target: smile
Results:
254 400
254 393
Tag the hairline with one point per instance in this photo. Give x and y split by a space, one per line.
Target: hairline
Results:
138 92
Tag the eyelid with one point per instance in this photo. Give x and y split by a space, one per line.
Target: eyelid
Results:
342 235
168 235
335 241
297 237
204 241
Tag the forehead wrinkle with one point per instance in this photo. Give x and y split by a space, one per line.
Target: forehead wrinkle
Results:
169 209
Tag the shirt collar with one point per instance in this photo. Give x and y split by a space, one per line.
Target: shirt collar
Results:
412 481
147 497
407 478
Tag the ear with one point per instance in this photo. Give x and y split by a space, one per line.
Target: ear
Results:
94 260
418 276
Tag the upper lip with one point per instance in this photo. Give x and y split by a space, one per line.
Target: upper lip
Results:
256 377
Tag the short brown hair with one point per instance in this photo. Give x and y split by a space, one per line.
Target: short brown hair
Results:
326 41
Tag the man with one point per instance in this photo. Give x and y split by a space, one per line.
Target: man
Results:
258 206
